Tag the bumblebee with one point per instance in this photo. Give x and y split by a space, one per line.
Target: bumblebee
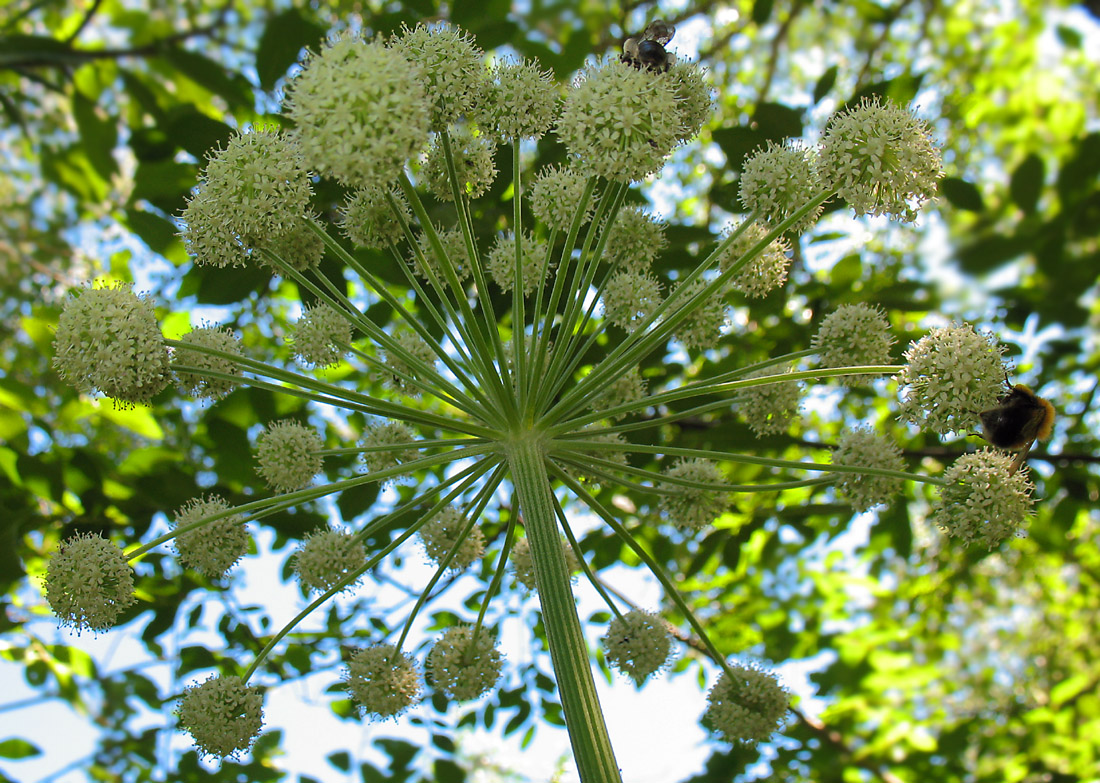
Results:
648 49
1020 418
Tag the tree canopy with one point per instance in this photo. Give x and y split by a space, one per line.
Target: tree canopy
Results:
934 660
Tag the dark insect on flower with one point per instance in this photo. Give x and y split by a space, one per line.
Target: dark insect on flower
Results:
1020 418
648 49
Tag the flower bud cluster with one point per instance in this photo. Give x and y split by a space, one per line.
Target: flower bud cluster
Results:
880 159
500 263
637 644
428 264
778 180
455 78
523 566
369 220
765 271
627 388
630 298
360 111
861 447
223 715
463 666
214 547
985 499
319 335
852 335
287 455
108 340
200 384
89 583
254 195
694 508
327 557
694 98
473 161
388 433
951 374
413 344
620 122
705 321
440 534
524 101
557 195
634 240
769 409
748 707
382 681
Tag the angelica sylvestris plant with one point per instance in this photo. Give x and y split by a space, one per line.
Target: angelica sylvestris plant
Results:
497 402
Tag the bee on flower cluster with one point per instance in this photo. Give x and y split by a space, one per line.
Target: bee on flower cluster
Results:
648 50
1020 418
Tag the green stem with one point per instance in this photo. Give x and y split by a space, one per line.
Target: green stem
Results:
613 472
720 385
655 568
568 649
588 573
485 494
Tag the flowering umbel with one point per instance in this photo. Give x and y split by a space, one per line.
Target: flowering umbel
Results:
984 499
89 583
223 715
747 704
637 644
383 681
108 340
494 385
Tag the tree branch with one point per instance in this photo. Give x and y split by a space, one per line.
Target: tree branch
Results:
152 49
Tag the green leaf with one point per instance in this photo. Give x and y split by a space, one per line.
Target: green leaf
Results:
165 184
16 748
762 11
160 235
1027 183
825 83
988 253
777 121
187 128
961 194
140 421
1070 688
283 38
211 75
444 743
341 760
1070 38
738 143
446 771
474 14
98 135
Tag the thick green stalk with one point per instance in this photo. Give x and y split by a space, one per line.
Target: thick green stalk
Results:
568 651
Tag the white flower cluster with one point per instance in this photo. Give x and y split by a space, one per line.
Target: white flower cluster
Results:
861 447
383 681
463 666
984 499
89 583
223 715
951 375
108 340
748 707
637 644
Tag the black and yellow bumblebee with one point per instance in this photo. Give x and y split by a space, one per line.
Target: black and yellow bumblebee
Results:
648 49
1020 418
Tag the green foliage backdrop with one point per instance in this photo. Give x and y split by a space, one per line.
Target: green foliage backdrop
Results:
948 664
